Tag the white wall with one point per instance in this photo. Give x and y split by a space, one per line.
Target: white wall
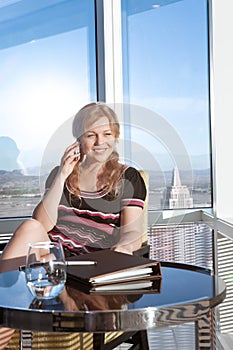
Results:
223 106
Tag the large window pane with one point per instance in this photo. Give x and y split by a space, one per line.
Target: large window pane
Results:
47 69
166 70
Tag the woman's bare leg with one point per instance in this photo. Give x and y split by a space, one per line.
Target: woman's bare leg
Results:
14 255
15 252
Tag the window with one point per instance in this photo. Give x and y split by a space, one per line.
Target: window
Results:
166 90
48 71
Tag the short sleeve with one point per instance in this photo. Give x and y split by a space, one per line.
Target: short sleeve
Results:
134 188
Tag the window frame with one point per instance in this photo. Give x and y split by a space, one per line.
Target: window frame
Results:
114 91
110 90
9 225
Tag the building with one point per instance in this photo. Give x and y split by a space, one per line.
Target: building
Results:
177 195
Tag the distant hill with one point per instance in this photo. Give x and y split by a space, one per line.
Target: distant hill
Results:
14 182
17 185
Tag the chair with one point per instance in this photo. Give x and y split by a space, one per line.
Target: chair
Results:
145 249
88 341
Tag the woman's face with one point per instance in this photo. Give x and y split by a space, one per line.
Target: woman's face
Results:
98 140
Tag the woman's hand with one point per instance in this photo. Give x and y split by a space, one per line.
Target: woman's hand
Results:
68 301
69 159
46 211
122 249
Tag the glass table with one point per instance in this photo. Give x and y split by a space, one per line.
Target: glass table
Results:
187 294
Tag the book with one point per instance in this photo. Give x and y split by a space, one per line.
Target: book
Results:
113 271
127 288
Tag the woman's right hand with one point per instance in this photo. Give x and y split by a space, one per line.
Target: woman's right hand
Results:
69 159
46 212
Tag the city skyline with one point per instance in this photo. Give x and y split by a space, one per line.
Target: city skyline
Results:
19 193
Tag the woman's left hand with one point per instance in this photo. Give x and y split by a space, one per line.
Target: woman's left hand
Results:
121 249
68 301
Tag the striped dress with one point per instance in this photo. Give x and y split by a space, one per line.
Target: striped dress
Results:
92 221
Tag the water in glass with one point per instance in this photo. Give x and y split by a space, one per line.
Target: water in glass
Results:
45 269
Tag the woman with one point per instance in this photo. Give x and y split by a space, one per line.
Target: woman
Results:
91 201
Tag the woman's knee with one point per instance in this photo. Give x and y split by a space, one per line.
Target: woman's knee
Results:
32 224
16 249
32 228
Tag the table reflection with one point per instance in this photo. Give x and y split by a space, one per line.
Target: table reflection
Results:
75 300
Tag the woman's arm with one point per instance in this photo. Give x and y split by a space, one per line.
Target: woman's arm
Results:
131 230
46 211
132 215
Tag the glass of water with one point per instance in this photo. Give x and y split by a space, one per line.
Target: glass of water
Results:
45 269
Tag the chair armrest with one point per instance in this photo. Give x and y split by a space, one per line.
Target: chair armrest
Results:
144 251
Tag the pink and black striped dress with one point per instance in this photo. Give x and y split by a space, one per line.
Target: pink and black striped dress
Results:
92 221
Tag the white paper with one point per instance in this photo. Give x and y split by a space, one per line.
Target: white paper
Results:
124 286
141 272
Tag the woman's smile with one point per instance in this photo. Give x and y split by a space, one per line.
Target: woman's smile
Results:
100 150
99 140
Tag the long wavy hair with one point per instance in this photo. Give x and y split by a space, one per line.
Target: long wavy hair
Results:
112 169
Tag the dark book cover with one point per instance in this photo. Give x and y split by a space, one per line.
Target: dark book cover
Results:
114 271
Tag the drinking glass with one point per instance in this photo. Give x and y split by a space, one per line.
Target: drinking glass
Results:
45 269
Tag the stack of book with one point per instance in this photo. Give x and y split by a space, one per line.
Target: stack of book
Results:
107 271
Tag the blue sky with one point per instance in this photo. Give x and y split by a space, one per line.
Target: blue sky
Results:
45 81
168 68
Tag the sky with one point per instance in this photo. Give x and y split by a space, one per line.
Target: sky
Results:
45 81
167 51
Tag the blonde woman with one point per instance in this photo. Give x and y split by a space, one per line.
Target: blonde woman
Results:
91 200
